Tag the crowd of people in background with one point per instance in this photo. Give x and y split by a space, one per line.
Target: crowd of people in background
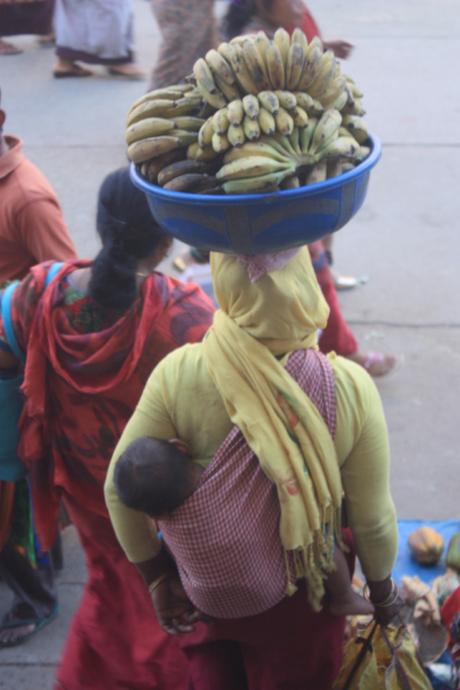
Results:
100 330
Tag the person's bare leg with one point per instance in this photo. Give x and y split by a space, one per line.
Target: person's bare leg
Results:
343 600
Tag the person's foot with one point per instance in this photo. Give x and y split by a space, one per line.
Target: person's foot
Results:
128 70
7 48
352 605
18 625
64 69
47 40
375 363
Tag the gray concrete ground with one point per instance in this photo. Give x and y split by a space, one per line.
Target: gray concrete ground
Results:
406 237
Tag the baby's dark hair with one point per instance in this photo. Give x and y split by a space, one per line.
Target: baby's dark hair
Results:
153 476
239 13
129 233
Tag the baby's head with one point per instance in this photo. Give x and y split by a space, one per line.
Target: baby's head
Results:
154 476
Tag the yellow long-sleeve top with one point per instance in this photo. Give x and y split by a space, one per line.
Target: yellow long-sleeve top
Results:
180 401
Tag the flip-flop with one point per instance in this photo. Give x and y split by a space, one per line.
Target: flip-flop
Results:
12 623
76 71
7 48
378 364
134 76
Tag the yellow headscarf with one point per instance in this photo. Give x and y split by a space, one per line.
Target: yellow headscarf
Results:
276 315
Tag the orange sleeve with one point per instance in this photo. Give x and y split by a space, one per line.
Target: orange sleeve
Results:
43 231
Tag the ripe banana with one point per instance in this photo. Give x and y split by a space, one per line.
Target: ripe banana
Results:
262 42
299 37
363 153
275 67
205 133
269 101
189 122
256 67
235 134
201 153
266 121
220 67
318 173
306 134
335 89
341 100
283 42
153 167
150 127
235 112
326 72
203 75
300 117
158 108
170 93
152 147
251 128
251 106
286 99
256 185
241 71
284 122
184 135
229 91
294 66
327 127
309 104
220 121
220 142
182 167
253 166
357 128
187 182
311 67
342 147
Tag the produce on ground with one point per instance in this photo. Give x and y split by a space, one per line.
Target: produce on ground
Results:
256 115
426 545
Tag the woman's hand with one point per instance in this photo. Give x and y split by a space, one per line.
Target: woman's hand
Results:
387 601
386 615
175 612
341 49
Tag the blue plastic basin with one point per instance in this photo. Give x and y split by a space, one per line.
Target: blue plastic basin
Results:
261 223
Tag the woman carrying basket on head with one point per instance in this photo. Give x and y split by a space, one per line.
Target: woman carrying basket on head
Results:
283 432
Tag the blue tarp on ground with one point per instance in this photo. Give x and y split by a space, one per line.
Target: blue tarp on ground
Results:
405 565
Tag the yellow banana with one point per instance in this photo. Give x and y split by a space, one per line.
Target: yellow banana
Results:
184 135
256 185
148 109
326 73
152 147
284 122
205 133
241 71
170 93
336 87
357 127
150 127
220 142
229 91
363 153
355 91
203 75
287 100
342 147
201 153
282 41
294 66
253 166
328 126
190 122
266 121
299 37
220 67
236 136
318 173
258 148
256 67
251 106
251 128
269 101
341 100
275 67
220 121
300 117
311 66
262 43
235 112
309 104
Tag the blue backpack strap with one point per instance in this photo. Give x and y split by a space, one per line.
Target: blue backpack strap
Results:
8 323
6 311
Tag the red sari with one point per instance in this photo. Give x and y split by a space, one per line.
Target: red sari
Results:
81 388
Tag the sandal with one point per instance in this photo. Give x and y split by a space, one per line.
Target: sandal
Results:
375 363
131 72
74 71
31 626
7 48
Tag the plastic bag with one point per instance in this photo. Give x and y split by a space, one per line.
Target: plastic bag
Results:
381 659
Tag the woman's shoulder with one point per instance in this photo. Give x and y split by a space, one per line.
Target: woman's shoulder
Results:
354 386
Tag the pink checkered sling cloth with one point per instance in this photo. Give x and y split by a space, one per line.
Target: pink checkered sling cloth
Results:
225 537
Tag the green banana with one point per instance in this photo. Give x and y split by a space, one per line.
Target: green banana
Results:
235 112
294 67
257 148
251 128
266 121
150 127
220 142
295 140
185 136
275 67
143 150
327 127
306 134
220 121
170 93
251 106
220 67
284 122
189 122
158 108
236 136
287 100
269 101
254 166
182 167
282 143
263 183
